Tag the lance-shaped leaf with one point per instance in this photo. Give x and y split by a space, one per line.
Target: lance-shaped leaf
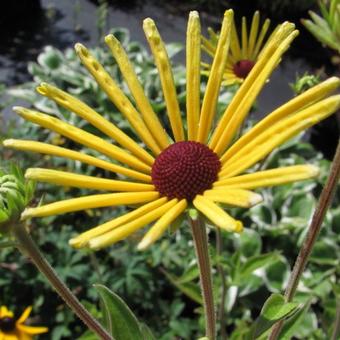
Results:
273 310
121 323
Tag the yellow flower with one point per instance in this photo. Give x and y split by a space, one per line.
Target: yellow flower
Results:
11 329
242 56
201 165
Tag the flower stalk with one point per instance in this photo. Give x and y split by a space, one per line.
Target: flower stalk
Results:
29 248
313 232
202 253
221 309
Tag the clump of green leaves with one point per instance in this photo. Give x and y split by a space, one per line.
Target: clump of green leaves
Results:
326 28
304 82
15 194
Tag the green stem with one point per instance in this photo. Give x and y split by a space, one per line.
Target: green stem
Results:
202 253
221 310
336 329
312 234
29 248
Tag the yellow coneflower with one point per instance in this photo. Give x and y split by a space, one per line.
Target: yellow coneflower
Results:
12 329
201 167
244 51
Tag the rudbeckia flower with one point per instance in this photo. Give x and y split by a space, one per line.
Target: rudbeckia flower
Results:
196 164
11 329
244 51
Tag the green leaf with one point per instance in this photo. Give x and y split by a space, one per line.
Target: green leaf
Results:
277 274
253 263
190 274
190 289
146 331
173 48
290 326
122 323
273 310
249 243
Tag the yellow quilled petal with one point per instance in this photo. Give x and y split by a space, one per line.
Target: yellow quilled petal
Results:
280 133
193 80
30 330
89 202
233 196
167 80
82 181
235 48
53 150
129 228
143 104
25 314
82 137
216 214
215 78
82 110
254 28
208 47
245 96
158 229
83 239
305 99
259 41
268 178
117 96
4 312
244 39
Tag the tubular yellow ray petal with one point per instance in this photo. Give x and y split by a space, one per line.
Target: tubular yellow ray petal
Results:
193 59
81 109
260 39
82 137
83 239
235 48
165 73
280 133
284 31
117 96
157 230
29 331
129 228
215 78
89 202
244 39
231 120
82 181
44 148
216 214
237 197
305 99
24 316
254 29
4 312
143 104
207 46
269 178
212 36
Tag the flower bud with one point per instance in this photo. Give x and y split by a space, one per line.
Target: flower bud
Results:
15 194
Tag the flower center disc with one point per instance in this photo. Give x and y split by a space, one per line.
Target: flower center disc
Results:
7 324
185 169
243 67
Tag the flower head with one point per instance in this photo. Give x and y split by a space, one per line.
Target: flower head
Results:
244 52
201 166
12 329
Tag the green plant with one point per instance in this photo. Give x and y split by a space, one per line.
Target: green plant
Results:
326 28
